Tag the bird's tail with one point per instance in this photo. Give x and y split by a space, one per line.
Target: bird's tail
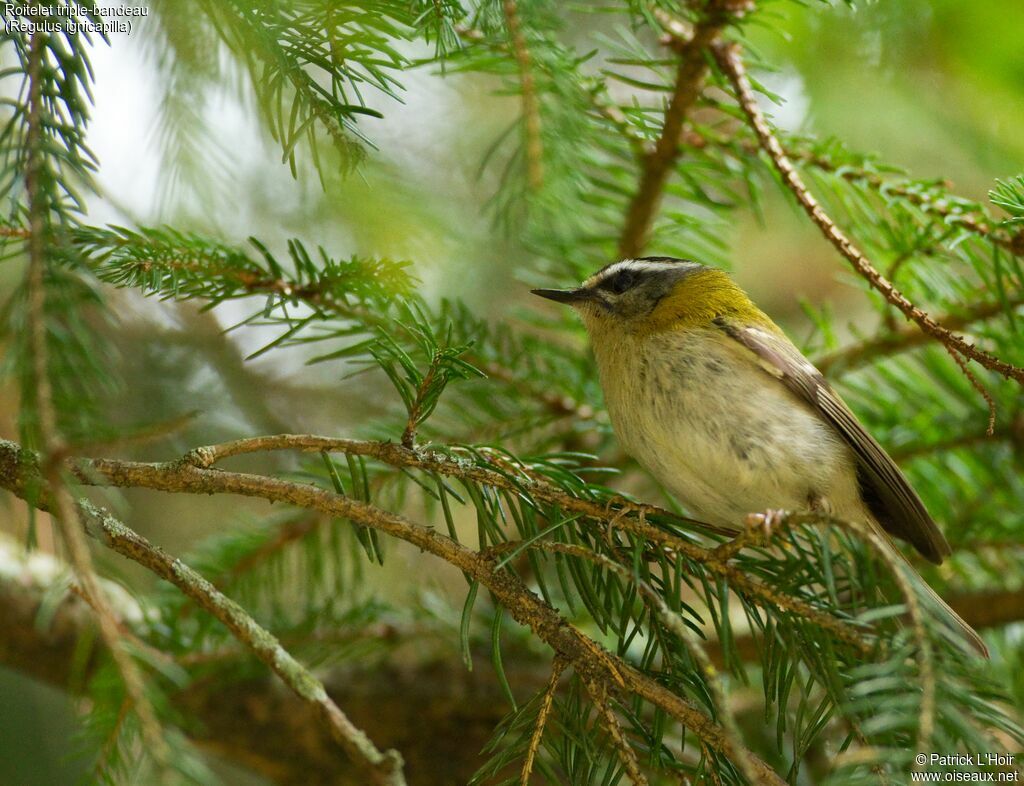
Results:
959 630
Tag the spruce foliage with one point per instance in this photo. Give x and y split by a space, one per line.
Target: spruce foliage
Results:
497 423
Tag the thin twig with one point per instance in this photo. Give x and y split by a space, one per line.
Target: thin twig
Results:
910 336
557 667
416 410
531 108
729 60
1012 432
599 694
110 742
976 384
383 768
65 515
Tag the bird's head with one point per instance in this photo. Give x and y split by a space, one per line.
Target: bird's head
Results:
654 294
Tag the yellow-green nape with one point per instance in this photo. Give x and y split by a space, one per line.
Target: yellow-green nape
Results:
701 297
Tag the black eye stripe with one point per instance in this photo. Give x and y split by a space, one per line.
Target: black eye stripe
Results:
620 282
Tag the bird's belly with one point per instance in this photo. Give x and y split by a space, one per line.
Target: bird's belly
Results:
728 441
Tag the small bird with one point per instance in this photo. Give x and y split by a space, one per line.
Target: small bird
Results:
709 394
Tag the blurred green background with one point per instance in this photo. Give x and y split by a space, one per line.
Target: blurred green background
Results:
932 86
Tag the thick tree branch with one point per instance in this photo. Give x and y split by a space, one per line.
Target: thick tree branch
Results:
730 62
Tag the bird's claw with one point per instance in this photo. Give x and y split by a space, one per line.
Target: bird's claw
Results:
765 524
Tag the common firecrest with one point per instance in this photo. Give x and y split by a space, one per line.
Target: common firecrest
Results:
709 394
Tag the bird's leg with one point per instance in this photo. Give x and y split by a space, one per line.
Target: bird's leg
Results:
819 504
625 510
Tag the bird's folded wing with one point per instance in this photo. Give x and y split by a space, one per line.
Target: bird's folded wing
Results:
886 491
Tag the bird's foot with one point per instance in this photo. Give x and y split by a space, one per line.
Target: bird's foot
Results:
760 529
766 523
616 516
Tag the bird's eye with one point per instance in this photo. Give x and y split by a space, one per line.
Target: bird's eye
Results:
621 282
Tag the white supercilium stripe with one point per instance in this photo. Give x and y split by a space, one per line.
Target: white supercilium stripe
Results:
637 266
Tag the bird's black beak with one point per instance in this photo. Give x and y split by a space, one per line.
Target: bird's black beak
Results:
569 296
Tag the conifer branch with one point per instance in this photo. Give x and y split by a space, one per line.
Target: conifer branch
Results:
531 108
950 210
64 513
626 514
383 768
588 659
657 163
546 701
599 695
731 64
910 336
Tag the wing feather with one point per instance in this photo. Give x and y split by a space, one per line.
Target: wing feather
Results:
886 490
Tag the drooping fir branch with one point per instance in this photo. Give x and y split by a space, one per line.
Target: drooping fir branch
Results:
588 660
731 64
310 67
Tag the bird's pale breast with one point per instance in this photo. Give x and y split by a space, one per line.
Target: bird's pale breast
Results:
723 435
